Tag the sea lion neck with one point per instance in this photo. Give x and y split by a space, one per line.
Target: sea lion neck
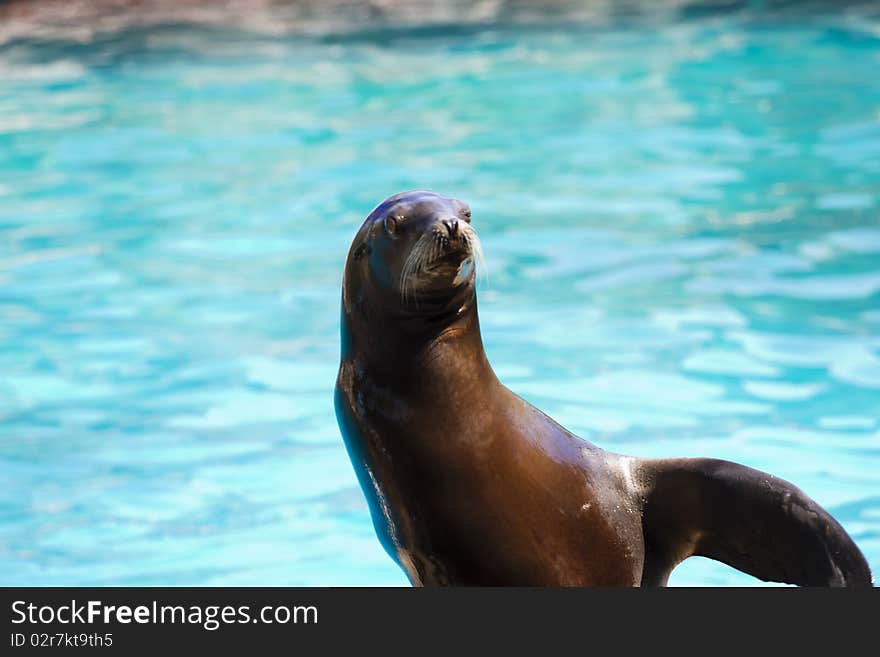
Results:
404 347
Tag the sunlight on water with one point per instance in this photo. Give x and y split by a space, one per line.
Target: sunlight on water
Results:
680 222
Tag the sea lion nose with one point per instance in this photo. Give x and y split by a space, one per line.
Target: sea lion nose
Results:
451 226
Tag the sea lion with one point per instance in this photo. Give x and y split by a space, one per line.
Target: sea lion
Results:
468 484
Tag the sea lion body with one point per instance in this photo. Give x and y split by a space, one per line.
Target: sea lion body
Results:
468 484
497 495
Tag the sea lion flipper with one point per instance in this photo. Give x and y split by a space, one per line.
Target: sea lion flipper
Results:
748 519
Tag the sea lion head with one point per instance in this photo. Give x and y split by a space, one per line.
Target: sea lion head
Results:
414 255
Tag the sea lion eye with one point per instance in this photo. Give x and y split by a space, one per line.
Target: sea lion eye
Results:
390 225
467 215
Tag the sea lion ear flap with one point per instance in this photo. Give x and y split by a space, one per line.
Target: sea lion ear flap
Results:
362 249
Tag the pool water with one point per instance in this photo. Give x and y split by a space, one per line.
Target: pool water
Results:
681 222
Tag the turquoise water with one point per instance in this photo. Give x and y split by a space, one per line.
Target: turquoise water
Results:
680 222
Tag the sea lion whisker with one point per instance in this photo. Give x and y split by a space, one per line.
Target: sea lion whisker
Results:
429 249
476 248
419 257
